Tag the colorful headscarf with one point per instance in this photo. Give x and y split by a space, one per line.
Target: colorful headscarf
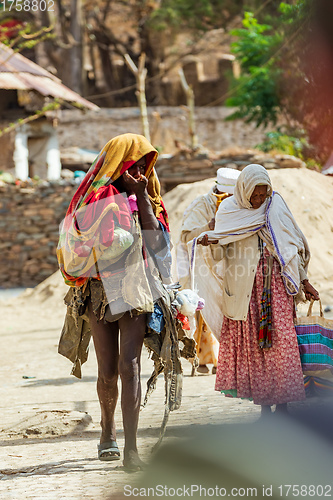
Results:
95 221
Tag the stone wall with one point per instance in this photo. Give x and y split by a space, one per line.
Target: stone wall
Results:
93 129
29 226
30 215
185 167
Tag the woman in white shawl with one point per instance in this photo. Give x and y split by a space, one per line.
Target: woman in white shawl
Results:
265 262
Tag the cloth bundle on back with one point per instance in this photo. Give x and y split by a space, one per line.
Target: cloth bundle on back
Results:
114 254
94 208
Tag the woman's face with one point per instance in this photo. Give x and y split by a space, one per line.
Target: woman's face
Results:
258 196
138 169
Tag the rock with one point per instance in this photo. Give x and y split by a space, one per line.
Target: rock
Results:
289 161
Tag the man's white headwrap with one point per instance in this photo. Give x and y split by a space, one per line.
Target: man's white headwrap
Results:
226 179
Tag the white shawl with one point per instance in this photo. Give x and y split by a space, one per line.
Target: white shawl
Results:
275 224
206 282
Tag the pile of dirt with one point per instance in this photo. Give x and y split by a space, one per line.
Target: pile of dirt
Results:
49 292
309 196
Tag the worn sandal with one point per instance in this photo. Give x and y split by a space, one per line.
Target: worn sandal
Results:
108 451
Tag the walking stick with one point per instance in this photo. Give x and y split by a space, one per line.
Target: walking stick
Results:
199 330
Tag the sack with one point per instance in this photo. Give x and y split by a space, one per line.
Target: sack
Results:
122 240
315 341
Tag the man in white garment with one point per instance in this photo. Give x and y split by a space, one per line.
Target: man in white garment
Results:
199 217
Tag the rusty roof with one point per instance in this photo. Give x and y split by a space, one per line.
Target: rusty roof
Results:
18 72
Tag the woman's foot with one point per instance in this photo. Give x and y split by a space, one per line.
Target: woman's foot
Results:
108 451
282 409
132 461
203 369
265 411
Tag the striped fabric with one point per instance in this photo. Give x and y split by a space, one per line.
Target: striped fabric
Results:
316 386
315 341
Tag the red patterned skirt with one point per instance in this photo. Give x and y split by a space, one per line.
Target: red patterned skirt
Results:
244 370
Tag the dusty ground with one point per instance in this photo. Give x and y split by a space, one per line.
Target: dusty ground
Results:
50 420
49 426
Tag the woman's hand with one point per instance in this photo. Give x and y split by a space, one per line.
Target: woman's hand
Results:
137 186
204 241
310 291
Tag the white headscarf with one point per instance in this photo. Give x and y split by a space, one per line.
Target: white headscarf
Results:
275 224
251 176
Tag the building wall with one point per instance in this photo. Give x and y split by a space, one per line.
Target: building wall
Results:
93 129
30 217
29 226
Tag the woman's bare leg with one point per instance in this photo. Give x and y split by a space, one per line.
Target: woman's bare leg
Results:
282 409
265 410
132 332
105 337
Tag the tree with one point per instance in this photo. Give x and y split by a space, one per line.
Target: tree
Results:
109 29
287 77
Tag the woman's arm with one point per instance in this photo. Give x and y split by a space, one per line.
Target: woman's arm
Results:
204 241
187 236
149 223
309 290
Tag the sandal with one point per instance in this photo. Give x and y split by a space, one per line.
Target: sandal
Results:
203 369
108 451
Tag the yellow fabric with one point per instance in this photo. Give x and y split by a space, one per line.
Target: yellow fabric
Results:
207 345
122 149
219 198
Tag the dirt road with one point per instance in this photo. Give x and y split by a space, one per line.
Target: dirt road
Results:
49 427
50 420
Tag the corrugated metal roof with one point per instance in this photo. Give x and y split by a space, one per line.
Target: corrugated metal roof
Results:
18 72
15 62
10 81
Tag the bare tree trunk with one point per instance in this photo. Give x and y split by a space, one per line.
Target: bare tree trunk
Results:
140 73
190 104
76 58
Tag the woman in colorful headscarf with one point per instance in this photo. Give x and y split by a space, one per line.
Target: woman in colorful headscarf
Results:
265 259
114 254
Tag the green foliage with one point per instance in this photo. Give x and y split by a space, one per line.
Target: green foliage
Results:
256 98
277 84
255 42
27 37
267 60
281 142
255 93
295 12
